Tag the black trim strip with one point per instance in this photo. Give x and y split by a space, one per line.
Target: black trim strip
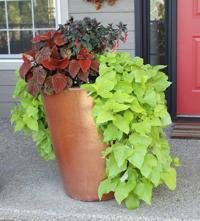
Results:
142 17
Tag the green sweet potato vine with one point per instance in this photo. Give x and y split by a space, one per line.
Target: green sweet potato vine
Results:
130 111
28 116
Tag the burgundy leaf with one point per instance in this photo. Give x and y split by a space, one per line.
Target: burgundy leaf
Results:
43 37
33 88
39 75
95 65
85 65
74 68
24 69
53 64
83 76
48 86
84 54
59 82
31 54
42 55
59 39
62 64
49 64
55 53
70 82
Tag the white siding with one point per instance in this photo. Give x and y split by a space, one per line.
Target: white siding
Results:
7 84
123 11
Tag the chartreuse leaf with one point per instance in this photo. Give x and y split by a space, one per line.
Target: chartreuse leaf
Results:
28 116
150 98
137 158
136 107
169 178
144 191
150 162
121 123
122 191
132 201
112 133
130 111
107 186
115 107
121 153
112 167
104 117
124 86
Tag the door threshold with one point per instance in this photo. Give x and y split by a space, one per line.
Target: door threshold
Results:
187 118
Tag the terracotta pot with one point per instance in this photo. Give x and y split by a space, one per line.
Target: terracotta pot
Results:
77 143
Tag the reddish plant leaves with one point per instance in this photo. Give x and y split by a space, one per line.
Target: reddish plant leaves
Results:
74 68
83 76
52 64
43 37
33 88
25 67
55 53
48 86
59 39
85 65
42 55
39 75
84 54
94 66
30 53
59 82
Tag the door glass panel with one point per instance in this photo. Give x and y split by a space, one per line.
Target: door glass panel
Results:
3 42
20 41
2 15
19 14
45 13
157 32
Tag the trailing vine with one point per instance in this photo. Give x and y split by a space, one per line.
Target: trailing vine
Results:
99 3
130 111
28 116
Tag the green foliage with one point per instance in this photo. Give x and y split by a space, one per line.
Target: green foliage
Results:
28 116
130 111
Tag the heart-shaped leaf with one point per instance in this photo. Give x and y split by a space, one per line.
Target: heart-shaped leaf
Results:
94 65
59 82
59 39
83 76
53 64
48 86
42 55
39 75
25 67
74 68
33 88
43 37
85 65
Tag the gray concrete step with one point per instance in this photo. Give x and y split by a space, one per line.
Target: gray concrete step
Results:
31 190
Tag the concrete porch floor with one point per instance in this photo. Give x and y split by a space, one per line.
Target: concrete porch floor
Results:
31 190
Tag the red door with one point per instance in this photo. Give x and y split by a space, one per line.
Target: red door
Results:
188 46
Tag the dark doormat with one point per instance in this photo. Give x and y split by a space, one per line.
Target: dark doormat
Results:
186 130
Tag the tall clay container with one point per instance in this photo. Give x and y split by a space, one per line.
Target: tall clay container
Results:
76 142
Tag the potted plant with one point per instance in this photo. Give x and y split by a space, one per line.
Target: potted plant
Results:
59 62
120 109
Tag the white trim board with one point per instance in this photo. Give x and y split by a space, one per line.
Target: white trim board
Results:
10 64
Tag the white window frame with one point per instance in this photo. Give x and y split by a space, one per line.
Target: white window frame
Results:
12 62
